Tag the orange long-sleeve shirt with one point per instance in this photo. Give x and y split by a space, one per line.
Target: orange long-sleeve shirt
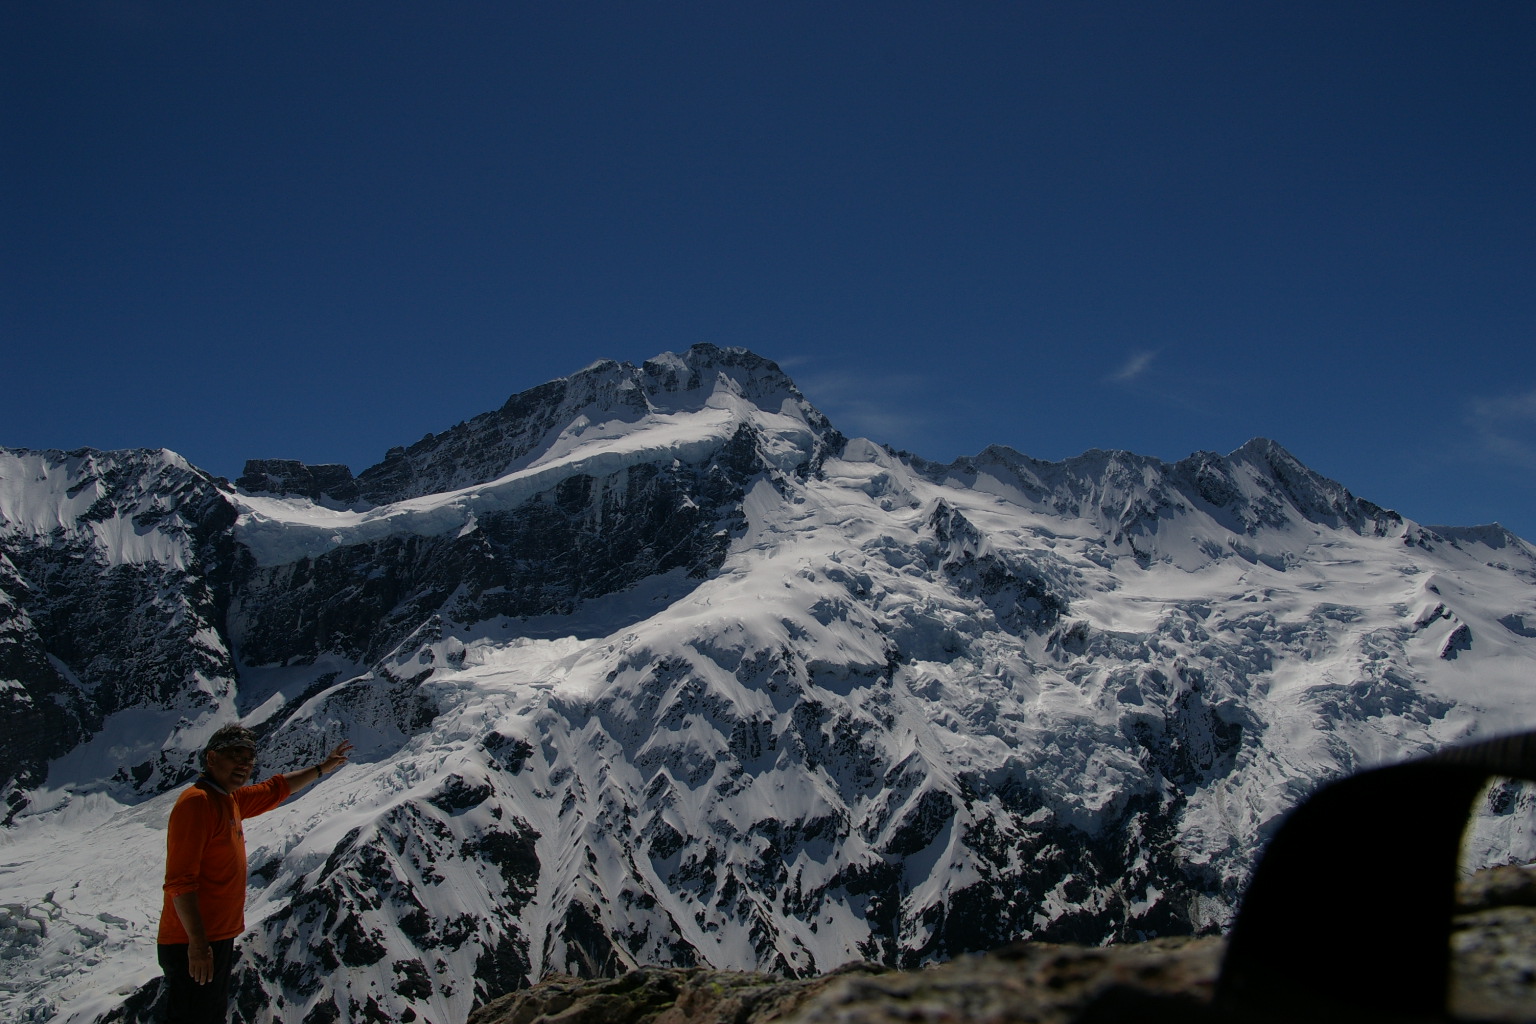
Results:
205 853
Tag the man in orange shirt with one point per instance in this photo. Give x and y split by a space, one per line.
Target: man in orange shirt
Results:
205 870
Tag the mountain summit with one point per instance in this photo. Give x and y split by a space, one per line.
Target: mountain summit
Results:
654 666
603 403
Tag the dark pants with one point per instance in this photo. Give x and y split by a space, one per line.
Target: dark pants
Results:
187 1002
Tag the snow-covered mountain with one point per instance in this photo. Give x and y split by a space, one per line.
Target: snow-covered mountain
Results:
652 665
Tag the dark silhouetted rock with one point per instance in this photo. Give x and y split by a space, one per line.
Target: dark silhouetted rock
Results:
288 476
1353 900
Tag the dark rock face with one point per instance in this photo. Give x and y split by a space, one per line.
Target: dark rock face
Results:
90 631
585 538
1025 599
46 715
286 476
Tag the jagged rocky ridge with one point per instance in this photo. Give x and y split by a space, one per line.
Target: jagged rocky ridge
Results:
653 666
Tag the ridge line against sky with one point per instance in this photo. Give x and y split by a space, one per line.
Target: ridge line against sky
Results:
287 230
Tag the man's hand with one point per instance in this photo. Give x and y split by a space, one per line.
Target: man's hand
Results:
336 758
199 952
200 962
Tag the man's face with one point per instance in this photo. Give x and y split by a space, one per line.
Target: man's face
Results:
231 767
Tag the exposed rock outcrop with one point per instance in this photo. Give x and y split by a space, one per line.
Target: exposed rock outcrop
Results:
1027 983
333 483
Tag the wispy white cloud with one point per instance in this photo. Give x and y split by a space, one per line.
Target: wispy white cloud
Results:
1506 426
1133 367
873 405
792 362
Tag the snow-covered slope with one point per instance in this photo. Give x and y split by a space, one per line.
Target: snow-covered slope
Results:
654 666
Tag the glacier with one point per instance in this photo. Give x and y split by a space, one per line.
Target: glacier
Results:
653 665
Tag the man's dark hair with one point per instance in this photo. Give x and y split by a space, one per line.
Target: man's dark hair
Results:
230 736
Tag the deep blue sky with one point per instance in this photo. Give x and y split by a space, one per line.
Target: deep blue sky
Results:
315 230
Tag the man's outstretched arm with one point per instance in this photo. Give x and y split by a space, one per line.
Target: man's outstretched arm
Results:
334 760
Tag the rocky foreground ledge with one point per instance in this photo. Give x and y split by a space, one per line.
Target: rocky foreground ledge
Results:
1034 982
1163 980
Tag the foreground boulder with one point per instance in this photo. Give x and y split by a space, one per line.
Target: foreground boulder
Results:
1374 854
1039 983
